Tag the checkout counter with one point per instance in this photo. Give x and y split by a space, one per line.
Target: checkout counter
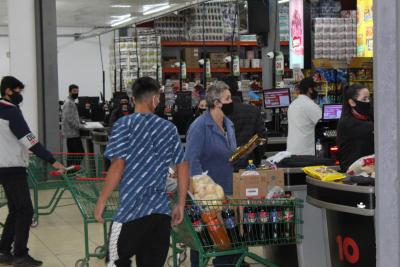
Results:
348 221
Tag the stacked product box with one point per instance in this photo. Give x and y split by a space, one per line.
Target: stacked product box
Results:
171 27
284 22
335 38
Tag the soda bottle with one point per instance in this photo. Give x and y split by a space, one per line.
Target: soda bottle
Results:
251 166
216 230
263 217
318 149
249 224
288 216
231 226
198 225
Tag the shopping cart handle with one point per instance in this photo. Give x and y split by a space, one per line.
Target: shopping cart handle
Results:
67 169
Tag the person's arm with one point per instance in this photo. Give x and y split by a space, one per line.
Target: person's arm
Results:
194 148
314 112
113 178
20 129
70 115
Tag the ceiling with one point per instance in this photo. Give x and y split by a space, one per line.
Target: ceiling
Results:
100 13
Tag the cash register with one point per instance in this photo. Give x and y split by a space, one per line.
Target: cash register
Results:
326 129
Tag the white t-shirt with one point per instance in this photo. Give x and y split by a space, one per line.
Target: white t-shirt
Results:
303 115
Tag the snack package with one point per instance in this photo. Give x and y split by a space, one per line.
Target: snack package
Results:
363 165
323 173
204 188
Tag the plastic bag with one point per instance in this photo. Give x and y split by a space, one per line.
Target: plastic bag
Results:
363 165
323 173
204 188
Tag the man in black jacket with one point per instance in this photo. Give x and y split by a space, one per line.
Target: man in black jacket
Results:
247 121
15 140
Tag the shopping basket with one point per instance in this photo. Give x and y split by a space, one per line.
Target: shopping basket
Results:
220 228
85 191
39 178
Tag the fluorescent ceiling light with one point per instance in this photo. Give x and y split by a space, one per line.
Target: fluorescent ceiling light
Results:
151 9
120 17
283 1
121 20
121 6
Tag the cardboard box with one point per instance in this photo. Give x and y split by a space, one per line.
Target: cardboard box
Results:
256 186
170 62
217 60
192 56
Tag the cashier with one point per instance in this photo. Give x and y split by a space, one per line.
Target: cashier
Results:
303 115
355 132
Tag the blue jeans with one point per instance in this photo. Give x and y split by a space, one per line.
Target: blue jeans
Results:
221 261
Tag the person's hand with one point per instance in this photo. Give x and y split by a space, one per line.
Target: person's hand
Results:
98 211
57 165
177 214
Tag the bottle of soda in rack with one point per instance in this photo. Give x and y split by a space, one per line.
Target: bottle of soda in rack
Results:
250 224
216 230
288 217
231 225
198 225
263 218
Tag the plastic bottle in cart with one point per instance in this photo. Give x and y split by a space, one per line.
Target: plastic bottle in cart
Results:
198 225
318 149
263 217
288 217
231 225
216 230
251 166
250 224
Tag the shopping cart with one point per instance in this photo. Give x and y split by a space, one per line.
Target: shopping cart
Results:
216 228
85 191
39 179
3 200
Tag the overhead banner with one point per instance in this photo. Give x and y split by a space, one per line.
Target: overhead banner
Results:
365 28
296 41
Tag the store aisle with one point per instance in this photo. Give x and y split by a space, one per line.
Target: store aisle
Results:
58 239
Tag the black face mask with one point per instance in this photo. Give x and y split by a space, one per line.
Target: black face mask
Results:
363 108
74 96
201 110
314 94
227 109
16 98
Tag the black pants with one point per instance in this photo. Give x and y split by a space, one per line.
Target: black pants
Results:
74 145
147 238
20 213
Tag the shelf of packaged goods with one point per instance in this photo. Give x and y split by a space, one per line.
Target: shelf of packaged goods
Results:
361 81
213 70
213 43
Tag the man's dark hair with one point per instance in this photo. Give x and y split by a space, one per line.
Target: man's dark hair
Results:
10 82
72 87
306 84
145 87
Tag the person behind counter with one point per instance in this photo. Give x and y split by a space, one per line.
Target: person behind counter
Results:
247 121
142 147
209 144
355 132
122 110
70 124
303 115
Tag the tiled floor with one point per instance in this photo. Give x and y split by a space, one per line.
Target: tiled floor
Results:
58 239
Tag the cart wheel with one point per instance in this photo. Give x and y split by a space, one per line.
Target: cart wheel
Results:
100 252
34 223
81 263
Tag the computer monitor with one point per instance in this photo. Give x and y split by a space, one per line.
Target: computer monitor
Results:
331 112
276 98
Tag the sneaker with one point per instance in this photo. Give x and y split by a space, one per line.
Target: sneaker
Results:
6 258
26 261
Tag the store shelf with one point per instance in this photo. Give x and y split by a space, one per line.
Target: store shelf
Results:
213 70
207 43
361 81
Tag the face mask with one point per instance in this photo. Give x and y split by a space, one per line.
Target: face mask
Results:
16 98
314 94
74 96
363 108
202 110
227 109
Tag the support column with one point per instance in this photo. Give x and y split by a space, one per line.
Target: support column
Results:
47 73
21 24
387 130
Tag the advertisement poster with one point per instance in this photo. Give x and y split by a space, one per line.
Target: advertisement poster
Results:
296 42
365 28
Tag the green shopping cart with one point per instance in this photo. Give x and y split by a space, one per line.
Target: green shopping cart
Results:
39 179
85 191
220 228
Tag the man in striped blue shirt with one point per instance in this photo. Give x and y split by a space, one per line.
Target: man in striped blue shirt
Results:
142 147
